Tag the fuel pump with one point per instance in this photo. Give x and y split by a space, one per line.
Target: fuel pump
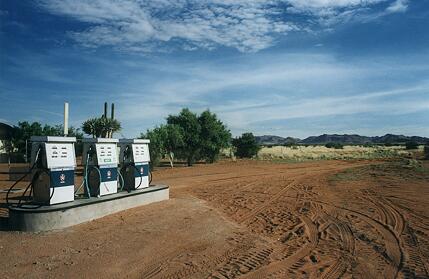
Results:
53 164
100 160
134 160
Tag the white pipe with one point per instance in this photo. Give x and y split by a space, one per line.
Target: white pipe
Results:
66 119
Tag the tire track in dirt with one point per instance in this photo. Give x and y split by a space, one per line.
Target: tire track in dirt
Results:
298 179
266 204
209 262
408 239
242 264
155 268
348 245
256 263
293 259
416 264
391 216
393 248
281 266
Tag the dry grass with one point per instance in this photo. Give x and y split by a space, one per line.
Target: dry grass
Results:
305 153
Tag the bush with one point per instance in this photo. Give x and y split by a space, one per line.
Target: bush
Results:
246 146
411 145
289 144
335 145
426 150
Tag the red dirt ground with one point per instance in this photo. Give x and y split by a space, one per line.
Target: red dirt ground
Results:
248 219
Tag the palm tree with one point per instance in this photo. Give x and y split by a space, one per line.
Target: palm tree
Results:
101 127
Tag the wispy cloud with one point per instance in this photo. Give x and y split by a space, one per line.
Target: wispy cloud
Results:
162 25
399 6
250 95
145 25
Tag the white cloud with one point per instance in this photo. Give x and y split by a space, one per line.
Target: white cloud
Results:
399 6
144 25
249 26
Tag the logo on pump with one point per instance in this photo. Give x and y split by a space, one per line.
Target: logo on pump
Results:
109 174
141 170
62 178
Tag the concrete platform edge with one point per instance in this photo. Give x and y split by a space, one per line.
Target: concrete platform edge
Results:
58 219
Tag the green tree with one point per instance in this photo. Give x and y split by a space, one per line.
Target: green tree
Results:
246 146
188 136
101 127
335 145
164 141
22 133
173 140
214 136
411 145
156 146
188 122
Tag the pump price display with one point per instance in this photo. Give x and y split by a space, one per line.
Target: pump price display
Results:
106 153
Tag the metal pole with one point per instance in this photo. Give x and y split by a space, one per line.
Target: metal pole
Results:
105 109
66 119
26 151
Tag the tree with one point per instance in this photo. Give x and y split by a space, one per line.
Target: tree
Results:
214 136
156 146
188 122
173 140
189 137
335 145
411 145
246 146
101 127
22 133
426 152
164 141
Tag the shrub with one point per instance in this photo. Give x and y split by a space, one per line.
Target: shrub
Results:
411 145
426 151
335 145
246 146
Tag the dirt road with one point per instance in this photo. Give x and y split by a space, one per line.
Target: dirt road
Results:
327 219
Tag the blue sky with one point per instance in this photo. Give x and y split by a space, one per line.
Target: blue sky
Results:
284 67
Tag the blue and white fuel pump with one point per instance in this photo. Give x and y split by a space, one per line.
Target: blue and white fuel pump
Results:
100 160
54 162
134 161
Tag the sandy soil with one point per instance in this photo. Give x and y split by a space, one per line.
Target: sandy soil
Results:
326 219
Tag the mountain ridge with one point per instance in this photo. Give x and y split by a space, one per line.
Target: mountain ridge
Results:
343 139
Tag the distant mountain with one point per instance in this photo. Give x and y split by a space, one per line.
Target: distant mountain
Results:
344 139
275 140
